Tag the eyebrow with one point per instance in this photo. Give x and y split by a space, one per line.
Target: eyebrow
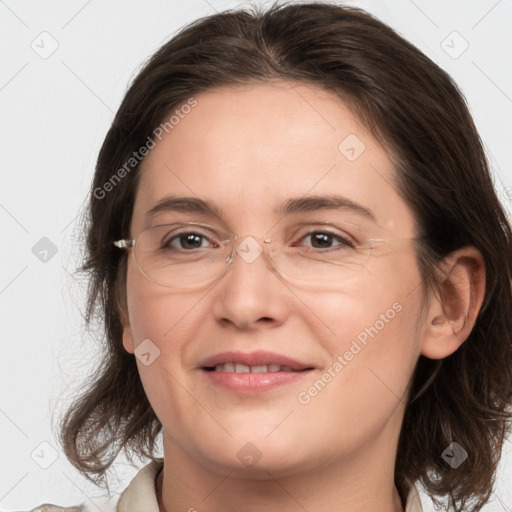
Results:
313 203
303 204
185 204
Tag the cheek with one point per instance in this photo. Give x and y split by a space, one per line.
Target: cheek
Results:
373 358
159 313
164 324
383 303
370 327
373 348
376 319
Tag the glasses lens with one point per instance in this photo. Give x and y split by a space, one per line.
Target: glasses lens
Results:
188 256
321 267
180 256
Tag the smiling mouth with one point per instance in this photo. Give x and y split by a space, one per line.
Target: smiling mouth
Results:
243 368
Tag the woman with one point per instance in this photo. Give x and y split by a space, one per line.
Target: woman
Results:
304 275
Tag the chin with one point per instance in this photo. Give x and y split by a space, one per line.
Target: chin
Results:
255 456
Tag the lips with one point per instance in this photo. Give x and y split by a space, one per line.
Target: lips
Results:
254 362
243 368
252 374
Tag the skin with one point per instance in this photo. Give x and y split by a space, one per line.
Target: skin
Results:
248 149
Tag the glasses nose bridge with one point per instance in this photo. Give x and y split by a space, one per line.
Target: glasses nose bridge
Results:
249 248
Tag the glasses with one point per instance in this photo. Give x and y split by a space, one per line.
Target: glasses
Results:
190 254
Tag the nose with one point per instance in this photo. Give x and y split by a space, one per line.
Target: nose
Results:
251 294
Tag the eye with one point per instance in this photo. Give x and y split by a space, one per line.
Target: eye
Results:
187 241
326 240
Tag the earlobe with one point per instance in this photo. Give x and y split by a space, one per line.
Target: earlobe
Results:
452 313
122 312
128 339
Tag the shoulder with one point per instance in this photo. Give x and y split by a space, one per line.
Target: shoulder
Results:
139 495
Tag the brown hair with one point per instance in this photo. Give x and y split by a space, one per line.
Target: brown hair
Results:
417 112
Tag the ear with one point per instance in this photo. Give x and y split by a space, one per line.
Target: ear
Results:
122 309
121 305
452 313
128 344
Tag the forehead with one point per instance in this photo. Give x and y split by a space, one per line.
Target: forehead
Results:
250 148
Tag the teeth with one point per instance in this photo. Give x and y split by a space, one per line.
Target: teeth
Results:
243 368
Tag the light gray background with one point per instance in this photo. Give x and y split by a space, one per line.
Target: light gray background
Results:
55 111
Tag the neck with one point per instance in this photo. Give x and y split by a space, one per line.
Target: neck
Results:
352 486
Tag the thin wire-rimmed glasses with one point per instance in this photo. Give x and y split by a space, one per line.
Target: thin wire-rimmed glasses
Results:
189 254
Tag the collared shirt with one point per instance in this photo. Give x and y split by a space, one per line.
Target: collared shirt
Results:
140 495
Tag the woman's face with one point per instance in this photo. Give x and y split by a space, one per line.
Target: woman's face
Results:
351 328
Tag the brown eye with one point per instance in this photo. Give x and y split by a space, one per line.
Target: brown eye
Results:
326 240
186 241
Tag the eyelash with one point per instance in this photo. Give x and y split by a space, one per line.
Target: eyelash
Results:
343 241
